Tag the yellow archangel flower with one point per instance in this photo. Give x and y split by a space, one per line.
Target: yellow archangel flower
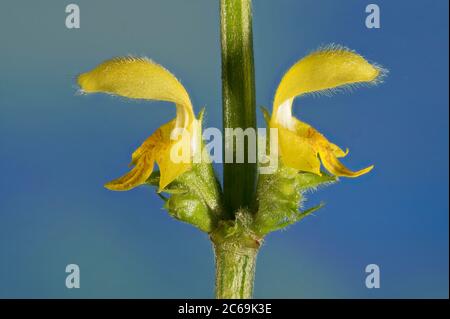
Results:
174 144
300 145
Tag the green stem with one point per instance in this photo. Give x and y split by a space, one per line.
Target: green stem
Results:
238 97
235 248
235 271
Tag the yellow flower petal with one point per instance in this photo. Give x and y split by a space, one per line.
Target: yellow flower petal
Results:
170 168
170 171
335 167
325 69
137 176
297 148
297 152
139 78
148 146
301 146
337 151
157 147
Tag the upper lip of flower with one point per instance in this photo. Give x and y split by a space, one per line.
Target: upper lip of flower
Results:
141 78
322 71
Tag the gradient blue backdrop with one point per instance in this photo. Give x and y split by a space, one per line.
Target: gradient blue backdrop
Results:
58 148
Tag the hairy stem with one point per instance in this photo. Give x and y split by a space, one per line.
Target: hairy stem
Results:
238 97
235 271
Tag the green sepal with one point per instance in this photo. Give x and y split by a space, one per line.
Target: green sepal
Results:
309 211
195 197
266 115
280 196
187 207
311 181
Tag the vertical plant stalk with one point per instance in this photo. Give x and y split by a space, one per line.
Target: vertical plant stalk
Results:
238 98
235 246
235 249
235 271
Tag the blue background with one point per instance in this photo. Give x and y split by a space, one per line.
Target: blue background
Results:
58 149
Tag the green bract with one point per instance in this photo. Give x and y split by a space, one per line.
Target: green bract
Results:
195 197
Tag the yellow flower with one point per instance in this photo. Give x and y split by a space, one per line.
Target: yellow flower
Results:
301 146
173 145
